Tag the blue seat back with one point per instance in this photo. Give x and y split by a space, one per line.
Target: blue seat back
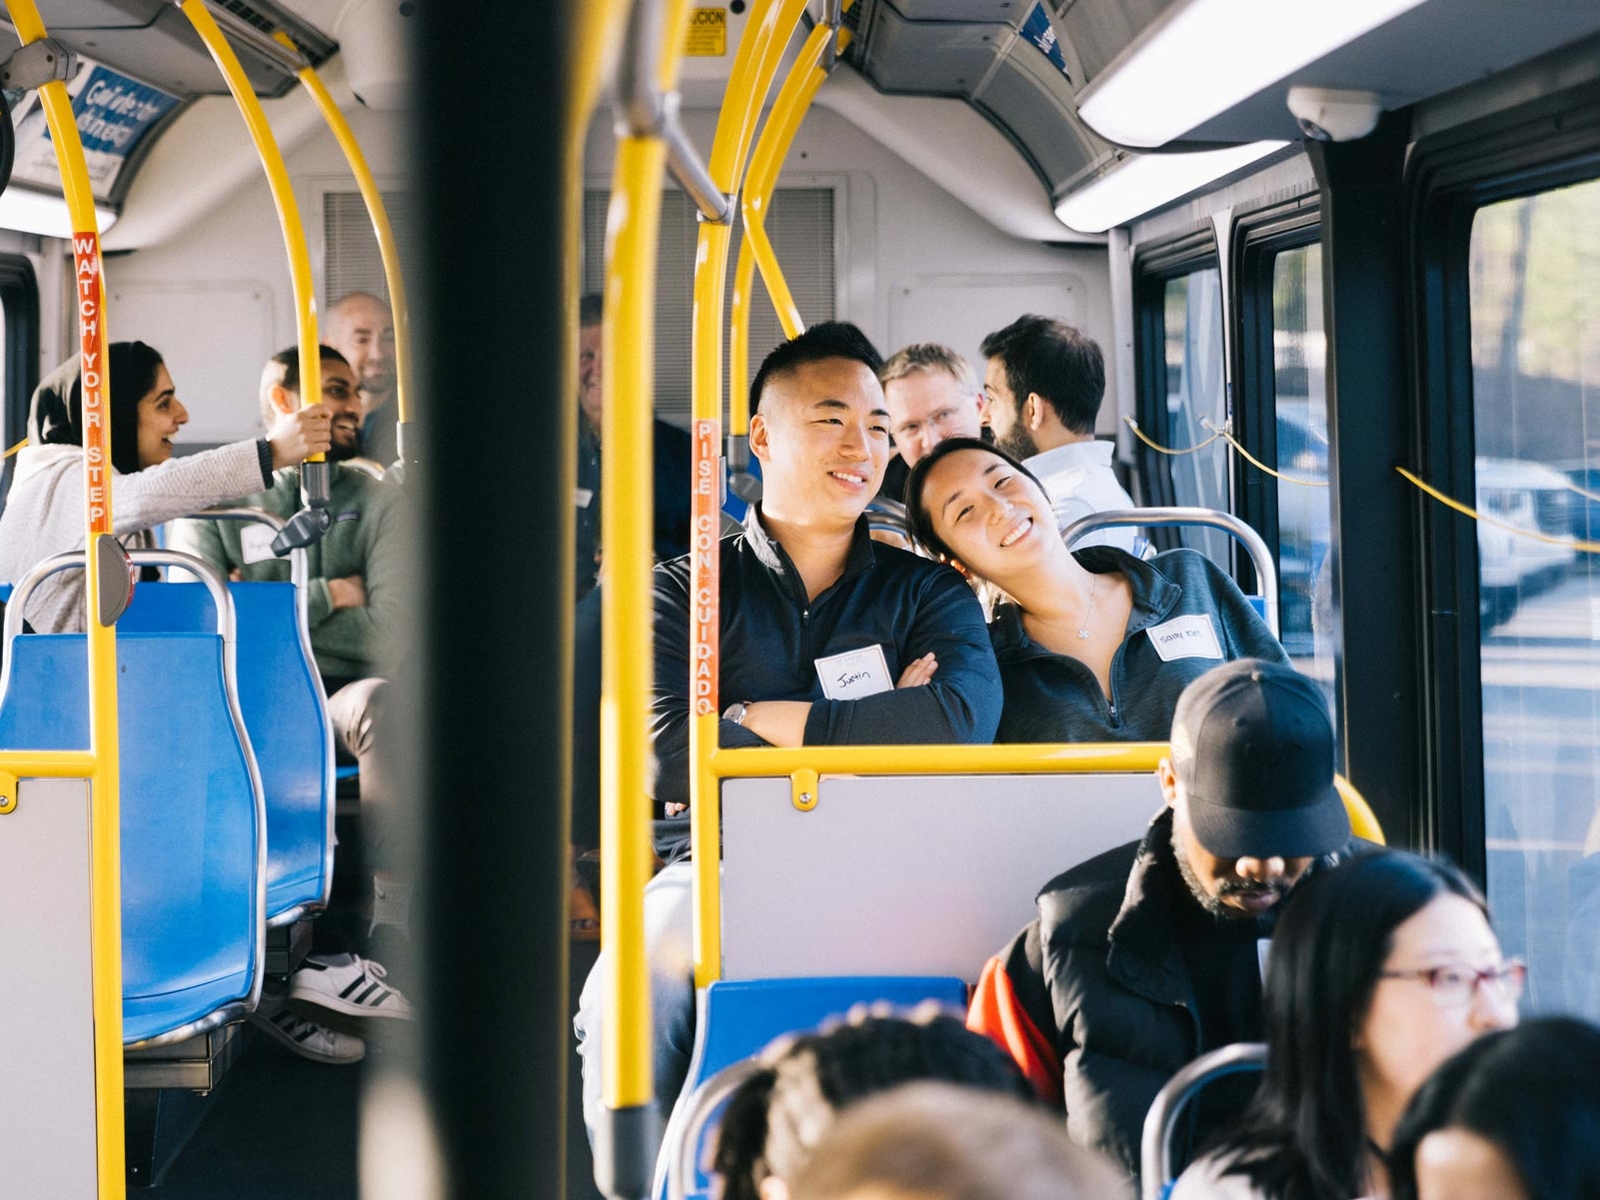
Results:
742 1016
192 893
285 717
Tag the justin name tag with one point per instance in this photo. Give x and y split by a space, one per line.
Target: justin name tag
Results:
854 674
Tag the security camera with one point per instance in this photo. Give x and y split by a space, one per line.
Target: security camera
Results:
1331 115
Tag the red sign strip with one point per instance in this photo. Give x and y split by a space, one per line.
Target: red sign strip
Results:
706 575
96 373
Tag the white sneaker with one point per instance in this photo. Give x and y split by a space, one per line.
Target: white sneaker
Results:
346 985
305 1038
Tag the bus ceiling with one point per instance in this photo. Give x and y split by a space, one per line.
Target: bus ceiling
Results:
1075 85
153 42
145 78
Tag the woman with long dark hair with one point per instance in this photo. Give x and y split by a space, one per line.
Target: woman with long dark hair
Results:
44 512
1514 1116
1094 645
1380 969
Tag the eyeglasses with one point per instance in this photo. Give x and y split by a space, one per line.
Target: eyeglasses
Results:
1456 985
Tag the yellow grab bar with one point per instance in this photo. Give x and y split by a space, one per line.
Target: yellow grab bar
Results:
1067 758
626 387
392 275
1363 821
102 763
760 52
788 111
294 237
1013 759
627 664
753 72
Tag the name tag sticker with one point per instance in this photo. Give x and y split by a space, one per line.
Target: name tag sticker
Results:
255 543
582 496
854 674
1186 637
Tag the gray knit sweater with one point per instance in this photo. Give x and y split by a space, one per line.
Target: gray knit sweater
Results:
44 513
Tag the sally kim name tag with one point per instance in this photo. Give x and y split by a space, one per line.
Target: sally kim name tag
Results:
1186 637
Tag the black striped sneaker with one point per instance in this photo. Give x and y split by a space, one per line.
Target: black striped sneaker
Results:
345 985
306 1038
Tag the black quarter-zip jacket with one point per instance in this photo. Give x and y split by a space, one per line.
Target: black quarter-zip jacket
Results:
772 638
1052 697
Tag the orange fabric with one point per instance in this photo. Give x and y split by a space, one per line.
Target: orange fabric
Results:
997 1013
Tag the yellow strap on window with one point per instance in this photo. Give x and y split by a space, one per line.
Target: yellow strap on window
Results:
1448 502
1159 449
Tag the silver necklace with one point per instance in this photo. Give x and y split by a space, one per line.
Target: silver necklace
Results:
1088 615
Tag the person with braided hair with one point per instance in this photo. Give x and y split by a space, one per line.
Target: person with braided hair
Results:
775 1118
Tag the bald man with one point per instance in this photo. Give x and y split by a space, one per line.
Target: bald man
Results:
361 328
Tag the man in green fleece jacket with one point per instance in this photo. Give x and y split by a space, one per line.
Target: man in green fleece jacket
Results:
354 585
355 566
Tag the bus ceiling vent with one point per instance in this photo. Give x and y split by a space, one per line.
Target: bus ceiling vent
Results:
645 110
1334 115
38 63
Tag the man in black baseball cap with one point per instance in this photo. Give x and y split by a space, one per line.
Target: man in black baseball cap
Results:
1151 954
1250 786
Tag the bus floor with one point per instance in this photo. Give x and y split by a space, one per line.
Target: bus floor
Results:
282 1126
278 1126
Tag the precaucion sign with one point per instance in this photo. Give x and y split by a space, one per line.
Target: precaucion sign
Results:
708 33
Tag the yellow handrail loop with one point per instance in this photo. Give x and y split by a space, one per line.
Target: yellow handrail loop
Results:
755 250
393 277
102 764
311 523
761 49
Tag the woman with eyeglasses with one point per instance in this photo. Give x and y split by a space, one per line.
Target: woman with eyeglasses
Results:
1380 969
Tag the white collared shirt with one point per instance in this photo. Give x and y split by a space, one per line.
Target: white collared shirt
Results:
1079 480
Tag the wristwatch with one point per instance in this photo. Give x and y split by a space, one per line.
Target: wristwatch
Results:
737 711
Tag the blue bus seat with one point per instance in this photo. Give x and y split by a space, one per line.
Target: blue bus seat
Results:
742 1016
286 719
192 888
1259 603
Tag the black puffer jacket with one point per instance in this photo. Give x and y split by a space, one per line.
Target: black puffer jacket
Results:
1094 998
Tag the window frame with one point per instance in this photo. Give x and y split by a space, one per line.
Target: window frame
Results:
1258 237
19 291
1154 266
1522 151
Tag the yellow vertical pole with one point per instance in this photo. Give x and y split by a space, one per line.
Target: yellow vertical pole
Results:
379 215
794 99
105 822
294 237
760 50
627 662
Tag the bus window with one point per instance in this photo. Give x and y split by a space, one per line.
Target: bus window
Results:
1298 352
1196 391
1534 274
